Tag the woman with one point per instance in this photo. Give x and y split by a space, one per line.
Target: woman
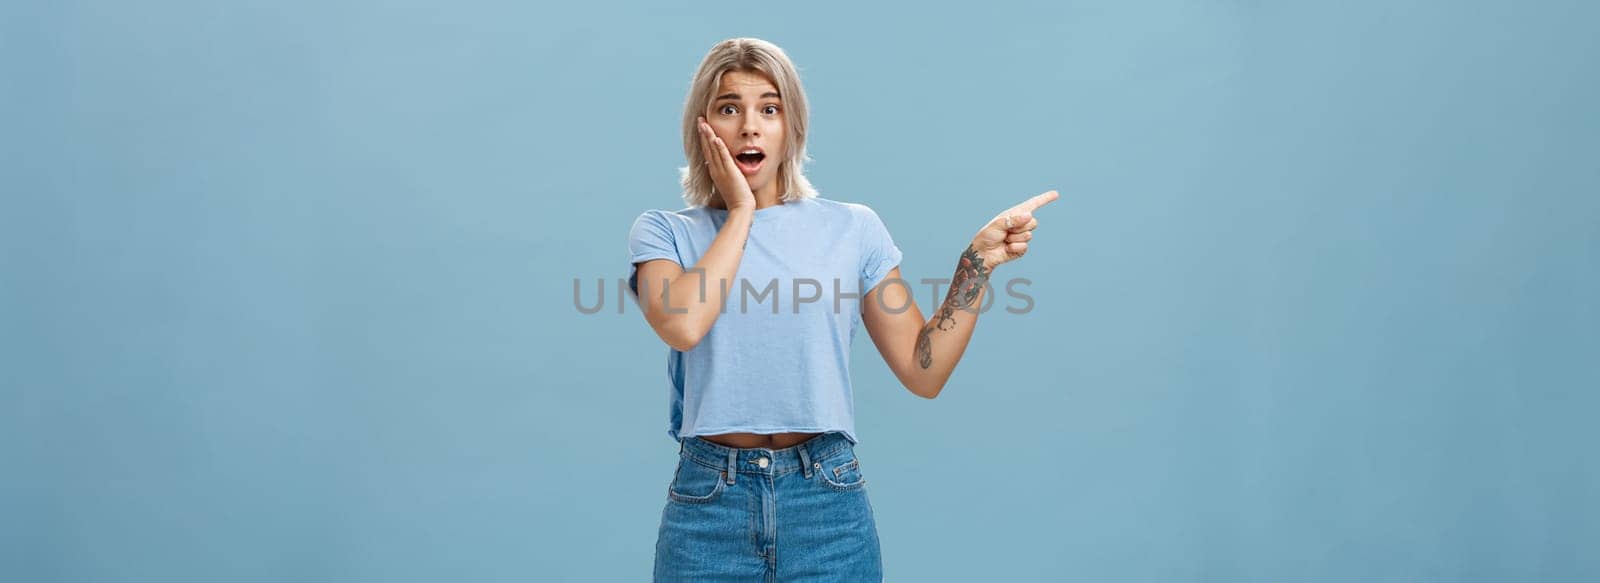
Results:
768 484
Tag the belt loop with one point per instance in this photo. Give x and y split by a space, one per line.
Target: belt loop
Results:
805 461
733 464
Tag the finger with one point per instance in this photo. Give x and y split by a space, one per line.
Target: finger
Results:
1020 221
1019 237
712 158
713 155
725 156
706 150
1034 203
1008 221
1017 249
722 151
1033 223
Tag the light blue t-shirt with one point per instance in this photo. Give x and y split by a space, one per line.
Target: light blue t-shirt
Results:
757 371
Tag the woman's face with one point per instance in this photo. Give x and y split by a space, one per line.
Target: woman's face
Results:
747 113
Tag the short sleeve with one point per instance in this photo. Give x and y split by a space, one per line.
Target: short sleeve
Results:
650 238
879 254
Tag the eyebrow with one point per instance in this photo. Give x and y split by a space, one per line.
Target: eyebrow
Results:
772 94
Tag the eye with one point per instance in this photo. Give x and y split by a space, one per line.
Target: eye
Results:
770 110
728 110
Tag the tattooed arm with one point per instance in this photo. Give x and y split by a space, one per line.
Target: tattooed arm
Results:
921 353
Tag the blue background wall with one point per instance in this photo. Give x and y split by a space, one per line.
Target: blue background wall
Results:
286 288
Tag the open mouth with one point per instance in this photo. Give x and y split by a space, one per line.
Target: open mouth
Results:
749 160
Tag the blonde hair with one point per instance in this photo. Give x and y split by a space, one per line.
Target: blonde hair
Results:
751 55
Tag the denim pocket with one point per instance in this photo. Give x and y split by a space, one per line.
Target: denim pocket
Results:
695 483
842 473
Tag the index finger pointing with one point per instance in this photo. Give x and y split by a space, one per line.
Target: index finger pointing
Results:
1038 201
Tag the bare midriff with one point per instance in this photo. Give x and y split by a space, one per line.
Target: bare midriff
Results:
750 440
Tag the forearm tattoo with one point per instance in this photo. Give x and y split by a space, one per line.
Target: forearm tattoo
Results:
970 278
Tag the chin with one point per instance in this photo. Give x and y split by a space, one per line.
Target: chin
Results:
759 185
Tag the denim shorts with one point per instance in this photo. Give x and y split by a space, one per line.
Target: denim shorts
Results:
755 514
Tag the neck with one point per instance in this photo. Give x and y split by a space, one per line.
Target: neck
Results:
767 196
764 202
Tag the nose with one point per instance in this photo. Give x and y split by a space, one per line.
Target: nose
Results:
748 127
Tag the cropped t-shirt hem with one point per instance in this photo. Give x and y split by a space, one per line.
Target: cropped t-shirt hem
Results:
848 434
